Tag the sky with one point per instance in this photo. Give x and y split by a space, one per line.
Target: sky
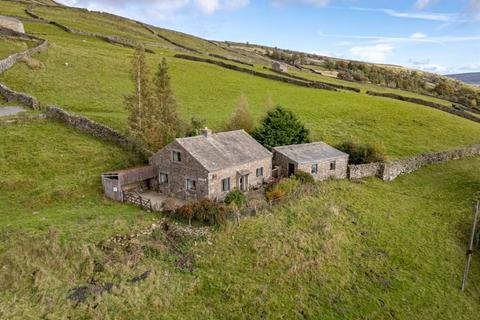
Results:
441 36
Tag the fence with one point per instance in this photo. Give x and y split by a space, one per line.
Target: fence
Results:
137 200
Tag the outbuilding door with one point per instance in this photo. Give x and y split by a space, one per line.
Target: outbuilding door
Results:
243 183
291 169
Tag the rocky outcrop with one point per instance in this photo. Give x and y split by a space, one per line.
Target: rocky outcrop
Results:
12 24
451 110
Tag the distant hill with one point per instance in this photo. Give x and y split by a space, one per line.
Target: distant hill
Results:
472 77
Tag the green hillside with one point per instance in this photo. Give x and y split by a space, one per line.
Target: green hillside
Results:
343 250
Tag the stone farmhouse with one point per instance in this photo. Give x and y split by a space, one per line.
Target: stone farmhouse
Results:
12 24
278 66
317 158
211 165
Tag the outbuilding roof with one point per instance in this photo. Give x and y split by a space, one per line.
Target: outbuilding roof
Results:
310 152
224 150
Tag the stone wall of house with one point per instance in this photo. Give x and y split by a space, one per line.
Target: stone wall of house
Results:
452 110
12 24
94 128
361 171
215 178
179 172
324 172
394 169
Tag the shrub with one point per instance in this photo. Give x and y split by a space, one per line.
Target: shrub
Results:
236 197
363 153
205 210
304 177
282 190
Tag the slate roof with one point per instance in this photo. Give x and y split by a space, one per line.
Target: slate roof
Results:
310 152
224 150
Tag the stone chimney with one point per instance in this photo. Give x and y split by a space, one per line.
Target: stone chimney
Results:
206 132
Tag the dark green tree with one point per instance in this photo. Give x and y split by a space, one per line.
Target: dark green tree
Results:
281 127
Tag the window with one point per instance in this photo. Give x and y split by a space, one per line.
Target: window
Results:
176 156
226 184
314 168
191 184
260 172
333 165
163 178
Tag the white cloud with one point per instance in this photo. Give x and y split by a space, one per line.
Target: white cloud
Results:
320 3
376 53
474 9
422 4
431 16
162 9
418 35
428 66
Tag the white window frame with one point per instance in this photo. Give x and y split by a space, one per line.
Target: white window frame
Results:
314 169
229 185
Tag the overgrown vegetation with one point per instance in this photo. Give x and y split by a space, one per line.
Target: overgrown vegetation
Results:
241 118
205 211
363 153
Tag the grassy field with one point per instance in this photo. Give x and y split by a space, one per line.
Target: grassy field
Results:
50 176
97 78
346 250
371 250
10 46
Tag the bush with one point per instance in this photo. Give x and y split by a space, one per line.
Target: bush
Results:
206 211
363 153
282 190
236 197
304 177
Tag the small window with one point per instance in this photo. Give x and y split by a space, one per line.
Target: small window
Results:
163 178
333 165
226 184
191 184
176 156
260 172
314 168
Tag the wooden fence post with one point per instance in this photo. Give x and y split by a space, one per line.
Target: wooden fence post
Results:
470 246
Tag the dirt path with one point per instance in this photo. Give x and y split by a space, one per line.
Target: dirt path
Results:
10 111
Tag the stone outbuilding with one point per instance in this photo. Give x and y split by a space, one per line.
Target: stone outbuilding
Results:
278 66
317 158
211 165
12 24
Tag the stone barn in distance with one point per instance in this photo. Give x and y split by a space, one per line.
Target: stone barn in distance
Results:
278 66
318 158
116 184
12 24
211 165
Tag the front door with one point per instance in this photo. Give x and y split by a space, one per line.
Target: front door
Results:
291 169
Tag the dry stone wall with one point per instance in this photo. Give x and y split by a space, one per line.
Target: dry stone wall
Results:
8 62
361 171
389 171
20 97
95 129
451 110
